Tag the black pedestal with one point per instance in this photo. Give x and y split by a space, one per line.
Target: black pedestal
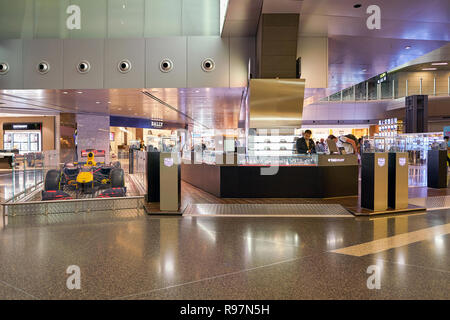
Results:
374 181
398 180
437 169
153 177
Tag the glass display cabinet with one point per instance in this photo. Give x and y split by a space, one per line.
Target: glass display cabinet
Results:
280 160
415 144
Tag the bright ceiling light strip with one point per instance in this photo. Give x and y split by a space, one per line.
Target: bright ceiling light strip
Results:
439 64
148 94
223 13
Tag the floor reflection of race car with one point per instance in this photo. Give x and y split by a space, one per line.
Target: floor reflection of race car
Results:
89 177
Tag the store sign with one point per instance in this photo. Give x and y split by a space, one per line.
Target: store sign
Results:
157 124
381 162
336 160
382 77
22 126
402 161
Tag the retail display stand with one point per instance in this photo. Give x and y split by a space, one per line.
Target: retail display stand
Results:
170 182
437 169
374 181
398 180
164 184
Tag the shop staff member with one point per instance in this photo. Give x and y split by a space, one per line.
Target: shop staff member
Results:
305 144
348 144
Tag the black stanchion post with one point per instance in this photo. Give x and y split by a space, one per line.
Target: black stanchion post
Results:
398 180
153 177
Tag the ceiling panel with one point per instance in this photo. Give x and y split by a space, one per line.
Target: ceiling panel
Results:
212 107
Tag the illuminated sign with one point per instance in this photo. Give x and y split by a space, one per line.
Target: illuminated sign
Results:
19 126
22 126
336 160
157 124
381 162
382 77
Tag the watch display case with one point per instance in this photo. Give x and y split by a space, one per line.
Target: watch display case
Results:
270 145
415 144
281 160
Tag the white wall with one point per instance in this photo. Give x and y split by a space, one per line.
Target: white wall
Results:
314 54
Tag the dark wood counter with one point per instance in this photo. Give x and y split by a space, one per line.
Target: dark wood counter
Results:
232 181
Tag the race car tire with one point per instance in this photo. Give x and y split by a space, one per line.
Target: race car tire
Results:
117 178
52 180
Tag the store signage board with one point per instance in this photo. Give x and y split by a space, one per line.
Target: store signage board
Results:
381 162
157 124
447 133
402 161
22 126
382 77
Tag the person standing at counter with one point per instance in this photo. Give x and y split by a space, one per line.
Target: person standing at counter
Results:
305 144
347 144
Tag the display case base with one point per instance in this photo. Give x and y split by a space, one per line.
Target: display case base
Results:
152 208
359 211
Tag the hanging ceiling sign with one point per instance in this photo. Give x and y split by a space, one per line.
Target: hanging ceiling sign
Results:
382 77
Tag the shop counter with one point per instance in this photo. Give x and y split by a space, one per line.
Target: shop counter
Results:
321 176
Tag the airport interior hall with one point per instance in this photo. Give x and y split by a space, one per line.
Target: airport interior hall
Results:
242 150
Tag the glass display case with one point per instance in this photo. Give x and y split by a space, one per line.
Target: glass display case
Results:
271 145
415 144
281 160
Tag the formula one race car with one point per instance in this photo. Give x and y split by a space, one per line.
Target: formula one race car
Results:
86 177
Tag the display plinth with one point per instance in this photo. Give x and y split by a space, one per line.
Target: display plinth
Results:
374 181
164 184
170 182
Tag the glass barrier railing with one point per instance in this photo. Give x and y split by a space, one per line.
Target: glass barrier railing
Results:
28 174
396 86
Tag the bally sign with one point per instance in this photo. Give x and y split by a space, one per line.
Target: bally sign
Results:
402 161
157 124
381 162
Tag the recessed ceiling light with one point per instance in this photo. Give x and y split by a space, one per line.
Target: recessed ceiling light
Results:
439 64
109 102
364 70
65 92
79 91
408 47
97 102
429 69
356 6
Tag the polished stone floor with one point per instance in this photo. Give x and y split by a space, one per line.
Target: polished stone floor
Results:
129 255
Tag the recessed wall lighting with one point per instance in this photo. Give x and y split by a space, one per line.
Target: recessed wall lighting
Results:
429 69
408 47
439 64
